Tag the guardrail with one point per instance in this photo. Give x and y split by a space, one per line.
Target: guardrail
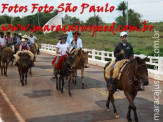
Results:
100 58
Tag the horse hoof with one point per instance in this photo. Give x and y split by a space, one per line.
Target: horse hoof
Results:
70 95
136 120
116 115
107 109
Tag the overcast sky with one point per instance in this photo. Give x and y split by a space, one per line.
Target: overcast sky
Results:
150 10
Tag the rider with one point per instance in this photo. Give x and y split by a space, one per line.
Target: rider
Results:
19 37
61 48
2 40
75 41
14 38
123 50
32 40
9 39
24 45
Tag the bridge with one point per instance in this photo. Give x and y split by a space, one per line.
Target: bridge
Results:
39 101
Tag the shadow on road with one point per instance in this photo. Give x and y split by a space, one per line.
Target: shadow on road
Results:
144 111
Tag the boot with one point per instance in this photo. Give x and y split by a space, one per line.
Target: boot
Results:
111 88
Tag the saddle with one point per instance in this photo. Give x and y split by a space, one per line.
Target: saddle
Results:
116 72
58 66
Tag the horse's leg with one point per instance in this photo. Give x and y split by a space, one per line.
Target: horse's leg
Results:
60 82
30 71
69 84
129 113
82 76
108 102
26 77
130 98
2 68
22 80
6 67
62 79
116 115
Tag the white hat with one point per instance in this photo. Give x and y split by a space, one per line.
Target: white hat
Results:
25 36
123 33
23 40
66 32
19 34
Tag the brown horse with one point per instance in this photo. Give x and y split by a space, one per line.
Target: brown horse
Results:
33 49
6 55
65 71
81 58
24 65
134 72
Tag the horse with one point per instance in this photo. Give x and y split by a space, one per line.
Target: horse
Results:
81 58
65 71
24 65
33 49
132 75
6 55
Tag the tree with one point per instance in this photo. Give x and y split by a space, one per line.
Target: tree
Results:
97 19
122 7
68 20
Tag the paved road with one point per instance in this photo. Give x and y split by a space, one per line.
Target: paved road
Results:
39 101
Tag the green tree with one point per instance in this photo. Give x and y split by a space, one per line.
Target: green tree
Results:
93 19
133 19
122 7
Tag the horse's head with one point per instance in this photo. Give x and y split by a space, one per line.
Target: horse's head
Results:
77 54
11 56
142 69
85 57
70 60
24 59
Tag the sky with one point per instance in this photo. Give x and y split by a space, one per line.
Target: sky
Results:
151 10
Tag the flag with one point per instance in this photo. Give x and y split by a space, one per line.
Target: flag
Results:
57 20
69 37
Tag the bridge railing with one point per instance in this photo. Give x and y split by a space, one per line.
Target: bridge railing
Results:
100 58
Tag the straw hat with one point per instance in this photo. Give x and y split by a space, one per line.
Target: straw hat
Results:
19 34
25 37
23 40
66 32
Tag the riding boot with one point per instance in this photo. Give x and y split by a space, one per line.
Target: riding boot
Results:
111 88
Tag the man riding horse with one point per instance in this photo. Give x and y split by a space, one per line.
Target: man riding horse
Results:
76 42
123 50
32 40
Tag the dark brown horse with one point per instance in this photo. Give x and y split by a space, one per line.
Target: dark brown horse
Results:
6 56
65 71
33 49
24 65
81 58
134 72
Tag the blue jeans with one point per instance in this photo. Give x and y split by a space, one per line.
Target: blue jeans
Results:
111 79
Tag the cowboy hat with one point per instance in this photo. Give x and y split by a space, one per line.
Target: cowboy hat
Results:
25 37
66 32
76 33
23 40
